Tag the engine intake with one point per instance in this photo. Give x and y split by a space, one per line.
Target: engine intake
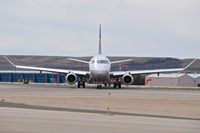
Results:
127 79
71 78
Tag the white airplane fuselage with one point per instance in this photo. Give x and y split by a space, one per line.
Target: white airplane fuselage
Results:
100 68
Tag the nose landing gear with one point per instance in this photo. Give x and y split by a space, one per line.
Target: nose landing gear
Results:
99 86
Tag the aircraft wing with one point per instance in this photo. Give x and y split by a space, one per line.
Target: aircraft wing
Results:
135 72
48 69
119 73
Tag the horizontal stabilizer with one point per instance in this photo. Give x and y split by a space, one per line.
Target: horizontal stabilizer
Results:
77 60
120 61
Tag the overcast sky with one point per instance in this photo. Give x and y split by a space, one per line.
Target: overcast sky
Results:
129 27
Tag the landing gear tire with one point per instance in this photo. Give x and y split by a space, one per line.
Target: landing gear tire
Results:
99 87
105 84
81 84
119 85
115 84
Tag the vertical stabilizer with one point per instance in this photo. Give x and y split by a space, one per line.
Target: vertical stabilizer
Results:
100 52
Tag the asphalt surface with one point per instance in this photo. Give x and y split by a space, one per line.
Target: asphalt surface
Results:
30 109
40 121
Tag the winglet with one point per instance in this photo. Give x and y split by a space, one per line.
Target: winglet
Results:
9 61
190 64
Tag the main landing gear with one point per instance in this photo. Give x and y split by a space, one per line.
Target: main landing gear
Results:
81 83
117 84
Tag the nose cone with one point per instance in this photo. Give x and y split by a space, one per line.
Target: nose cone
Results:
99 74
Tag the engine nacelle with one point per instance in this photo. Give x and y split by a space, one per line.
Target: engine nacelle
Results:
71 78
127 79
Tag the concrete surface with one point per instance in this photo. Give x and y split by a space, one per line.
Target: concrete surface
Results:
181 103
55 108
40 121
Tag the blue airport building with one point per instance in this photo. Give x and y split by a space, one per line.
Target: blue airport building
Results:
31 76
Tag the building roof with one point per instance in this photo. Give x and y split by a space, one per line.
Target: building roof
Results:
195 75
172 75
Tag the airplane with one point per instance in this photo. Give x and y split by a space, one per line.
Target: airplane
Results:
100 71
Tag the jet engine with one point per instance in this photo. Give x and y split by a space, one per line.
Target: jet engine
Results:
127 79
71 78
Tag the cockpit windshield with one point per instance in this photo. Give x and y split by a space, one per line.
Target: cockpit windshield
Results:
93 61
100 61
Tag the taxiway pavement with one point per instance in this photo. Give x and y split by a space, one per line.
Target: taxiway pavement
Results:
55 108
39 121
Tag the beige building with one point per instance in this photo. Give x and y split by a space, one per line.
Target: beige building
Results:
177 79
196 79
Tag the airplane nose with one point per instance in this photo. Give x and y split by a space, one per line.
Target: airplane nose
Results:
99 73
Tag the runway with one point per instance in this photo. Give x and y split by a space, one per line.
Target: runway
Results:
55 108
